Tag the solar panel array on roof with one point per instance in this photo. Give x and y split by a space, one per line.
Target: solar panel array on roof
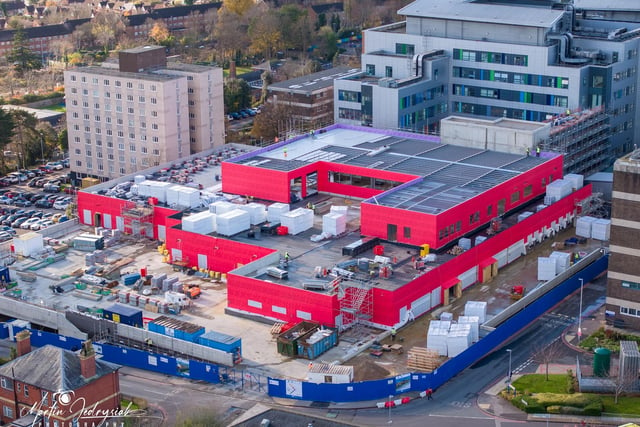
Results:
491 159
275 164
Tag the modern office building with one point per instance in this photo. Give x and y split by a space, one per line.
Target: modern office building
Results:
623 285
529 60
141 112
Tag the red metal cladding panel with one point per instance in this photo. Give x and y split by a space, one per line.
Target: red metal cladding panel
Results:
96 203
411 227
255 181
279 301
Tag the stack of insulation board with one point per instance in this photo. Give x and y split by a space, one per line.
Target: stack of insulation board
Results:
144 188
221 206
297 220
576 180
475 325
334 224
524 215
464 243
188 197
601 229
167 284
437 336
256 212
479 239
201 223
275 211
342 210
173 195
584 225
156 189
458 339
233 222
138 179
563 261
446 316
559 189
546 268
476 308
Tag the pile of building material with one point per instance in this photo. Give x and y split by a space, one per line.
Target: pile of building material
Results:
563 261
155 189
221 206
437 336
298 220
474 322
576 180
601 229
334 224
420 359
201 223
558 189
233 222
275 211
584 225
341 210
458 339
476 308
28 244
524 215
256 211
546 268
464 243
183 197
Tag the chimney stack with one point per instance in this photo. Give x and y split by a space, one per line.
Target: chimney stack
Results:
87 361
23 342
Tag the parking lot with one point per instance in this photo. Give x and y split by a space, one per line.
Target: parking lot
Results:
34 199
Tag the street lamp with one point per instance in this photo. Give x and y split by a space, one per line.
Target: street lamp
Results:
509 373
580 313
42 147
389 420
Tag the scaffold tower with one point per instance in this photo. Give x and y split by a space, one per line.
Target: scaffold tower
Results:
355 297
138 219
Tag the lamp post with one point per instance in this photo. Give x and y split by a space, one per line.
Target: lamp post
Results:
509 373
42 146
580 313
389 420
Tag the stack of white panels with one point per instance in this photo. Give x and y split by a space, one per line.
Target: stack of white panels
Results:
601 229
339 209
221 206
334 224
298 220
524 215
546 268
256 211
201 223
563 260
479 239
459 339
446 316
475 326
548 200
476 308
233 222
144 188
173 195
576 180
138 179
276 210
584 225
559 188
540 207
437 336
464 243
159 190
189 197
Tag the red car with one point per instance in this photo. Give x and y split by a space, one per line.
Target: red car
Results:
46 169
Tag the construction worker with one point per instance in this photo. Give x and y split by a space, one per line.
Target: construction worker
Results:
393 334
538 151
286 256
429 393
528 151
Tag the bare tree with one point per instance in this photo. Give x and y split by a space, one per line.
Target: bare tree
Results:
544 355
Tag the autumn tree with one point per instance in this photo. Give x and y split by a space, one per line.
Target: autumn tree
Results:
107 28
264 33
271 122
295 26
238 7
21 56
160 34
230 33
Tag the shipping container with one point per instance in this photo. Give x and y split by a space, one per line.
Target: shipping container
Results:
224 342
130 279
124 314
176 328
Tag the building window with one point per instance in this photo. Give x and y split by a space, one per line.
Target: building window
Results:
388 71
45 397
26 390
129 85
154 101
527 191
407 232
515 196
7 411
370 70
6 383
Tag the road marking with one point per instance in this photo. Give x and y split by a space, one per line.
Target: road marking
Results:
456 416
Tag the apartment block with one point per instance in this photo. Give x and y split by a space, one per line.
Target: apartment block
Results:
623 284
527 60
140 112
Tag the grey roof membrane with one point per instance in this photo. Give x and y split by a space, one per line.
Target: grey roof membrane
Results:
451 174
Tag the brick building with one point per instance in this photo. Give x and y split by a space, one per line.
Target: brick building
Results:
59 383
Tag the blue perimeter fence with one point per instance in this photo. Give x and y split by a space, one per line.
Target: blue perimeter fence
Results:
350 392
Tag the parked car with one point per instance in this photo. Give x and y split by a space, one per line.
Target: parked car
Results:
18 222
41 224
5 200
27 224
7 229
56 166
46 169
43 203
51 188
66 163
21 202
60 205
11 179
5 237
70 190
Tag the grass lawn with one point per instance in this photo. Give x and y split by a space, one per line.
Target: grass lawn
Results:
536 383
57 107
239 71
626 405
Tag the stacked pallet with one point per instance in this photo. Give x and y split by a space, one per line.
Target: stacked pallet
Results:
422 359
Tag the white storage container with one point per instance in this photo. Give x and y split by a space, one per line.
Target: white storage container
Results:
559 189
334 224
138 179
546 268
464 243
576 180
339 209
28 244
188 198
601 229
437 336
275 210
563 261
233 222
201 223
173 195
584 225
458 339
476 308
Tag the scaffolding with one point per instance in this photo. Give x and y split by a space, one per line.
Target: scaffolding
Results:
355 297
583 138
138 219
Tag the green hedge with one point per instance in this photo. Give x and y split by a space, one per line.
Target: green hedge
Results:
32 98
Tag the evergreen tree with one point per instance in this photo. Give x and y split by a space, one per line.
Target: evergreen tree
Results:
7 130
21 55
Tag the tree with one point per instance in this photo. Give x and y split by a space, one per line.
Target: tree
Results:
230 33
544 355
21 56
160 34
327 43
107 28
239 7
272 122
265 35
7 130
27 137
237 94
